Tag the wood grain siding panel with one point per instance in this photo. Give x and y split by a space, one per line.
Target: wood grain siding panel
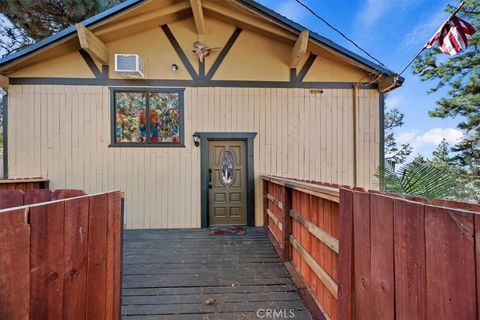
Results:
299 135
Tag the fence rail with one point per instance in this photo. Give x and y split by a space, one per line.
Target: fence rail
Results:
367 255
302 219
62 259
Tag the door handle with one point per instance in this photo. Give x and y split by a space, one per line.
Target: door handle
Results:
210 178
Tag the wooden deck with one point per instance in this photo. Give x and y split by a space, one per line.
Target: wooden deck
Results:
187 274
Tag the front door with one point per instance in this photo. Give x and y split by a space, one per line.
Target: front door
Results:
227 182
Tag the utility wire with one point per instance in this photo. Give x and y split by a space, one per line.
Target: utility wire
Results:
341 33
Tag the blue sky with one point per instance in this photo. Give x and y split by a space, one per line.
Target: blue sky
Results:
393 31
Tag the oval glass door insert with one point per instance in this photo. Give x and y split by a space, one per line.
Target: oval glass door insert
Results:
226 167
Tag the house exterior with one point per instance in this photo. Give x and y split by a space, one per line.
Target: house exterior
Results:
188 141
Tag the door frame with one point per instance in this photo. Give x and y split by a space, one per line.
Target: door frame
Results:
205 137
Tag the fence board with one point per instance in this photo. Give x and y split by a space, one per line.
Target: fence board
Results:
97 266
362 251
114 255
315 241
67 193
382 269
15 259
75 258
37 196
322 290
450 262
327 259
476 220
306 241
46 292
410 286
345 263
11 198
287 222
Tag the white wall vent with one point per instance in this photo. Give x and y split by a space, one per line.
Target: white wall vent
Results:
129 65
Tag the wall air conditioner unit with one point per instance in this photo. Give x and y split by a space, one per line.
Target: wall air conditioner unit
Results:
129 65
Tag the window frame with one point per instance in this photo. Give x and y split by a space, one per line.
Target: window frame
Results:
147 144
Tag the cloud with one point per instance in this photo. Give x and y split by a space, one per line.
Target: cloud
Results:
291 10
372 11
422 32
393 101
406 137
431 137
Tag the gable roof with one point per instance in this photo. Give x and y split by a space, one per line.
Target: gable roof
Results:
124 6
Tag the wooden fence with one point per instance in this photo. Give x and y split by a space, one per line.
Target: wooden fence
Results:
24 184
62 259
302 219
367 255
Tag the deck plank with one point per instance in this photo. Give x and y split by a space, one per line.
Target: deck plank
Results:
170 274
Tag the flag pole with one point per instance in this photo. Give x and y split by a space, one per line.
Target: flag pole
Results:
425 45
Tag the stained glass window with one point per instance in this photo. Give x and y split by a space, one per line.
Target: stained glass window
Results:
226 167
130 117
164 117
148 117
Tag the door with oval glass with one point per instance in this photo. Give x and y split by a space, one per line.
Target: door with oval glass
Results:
227 183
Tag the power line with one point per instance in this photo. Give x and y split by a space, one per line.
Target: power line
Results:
341 33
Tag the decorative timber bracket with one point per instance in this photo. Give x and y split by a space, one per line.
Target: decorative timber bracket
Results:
92 48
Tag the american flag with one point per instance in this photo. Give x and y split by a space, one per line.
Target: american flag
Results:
452 37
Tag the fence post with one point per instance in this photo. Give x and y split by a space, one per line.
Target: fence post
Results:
265 203
287 223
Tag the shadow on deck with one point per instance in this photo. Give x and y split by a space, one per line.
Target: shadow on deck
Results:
187 274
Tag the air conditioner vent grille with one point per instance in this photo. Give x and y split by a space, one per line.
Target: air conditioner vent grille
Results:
126 63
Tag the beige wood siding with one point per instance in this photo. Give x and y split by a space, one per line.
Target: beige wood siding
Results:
63 133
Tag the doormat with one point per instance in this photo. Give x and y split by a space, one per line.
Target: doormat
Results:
229 230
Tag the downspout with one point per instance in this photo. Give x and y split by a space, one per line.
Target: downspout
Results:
354 112
382 136
5 133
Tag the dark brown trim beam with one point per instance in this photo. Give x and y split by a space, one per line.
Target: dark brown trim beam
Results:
201 69
306 67
91 64
187 83
180 53
223 53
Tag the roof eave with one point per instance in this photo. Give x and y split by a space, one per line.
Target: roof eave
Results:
70 32
67 33
315 36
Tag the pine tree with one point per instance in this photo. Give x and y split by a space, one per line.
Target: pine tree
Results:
24 22
393 151
466 187
442 153
461 75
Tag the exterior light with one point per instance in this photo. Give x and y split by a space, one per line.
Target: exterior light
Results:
196 141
